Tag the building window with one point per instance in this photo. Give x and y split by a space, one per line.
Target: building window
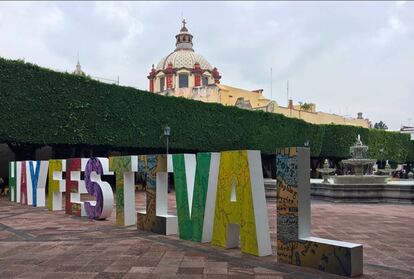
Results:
205 80
182 80
162 84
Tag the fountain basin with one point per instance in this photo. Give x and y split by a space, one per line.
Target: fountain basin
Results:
401 192
362 162
360 179
395 191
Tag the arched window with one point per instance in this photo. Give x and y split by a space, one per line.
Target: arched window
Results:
205 80
162 84
182 80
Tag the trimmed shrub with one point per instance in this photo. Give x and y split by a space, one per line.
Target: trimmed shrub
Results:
410 156
42 107
46 107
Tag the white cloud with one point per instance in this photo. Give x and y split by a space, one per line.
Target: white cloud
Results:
121 13
25 28
400 4
345 56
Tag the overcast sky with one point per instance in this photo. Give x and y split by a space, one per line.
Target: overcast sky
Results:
344 56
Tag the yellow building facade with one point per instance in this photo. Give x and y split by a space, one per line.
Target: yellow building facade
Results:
184 73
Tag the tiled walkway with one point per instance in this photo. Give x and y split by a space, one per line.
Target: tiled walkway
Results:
36 243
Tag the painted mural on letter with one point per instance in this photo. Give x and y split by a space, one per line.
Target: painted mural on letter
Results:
234 209
290 249
72 186
12 181
54 185
119 165
23 187
150 165
191 225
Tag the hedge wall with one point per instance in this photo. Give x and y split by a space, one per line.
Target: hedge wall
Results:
46 107
382 145
410 156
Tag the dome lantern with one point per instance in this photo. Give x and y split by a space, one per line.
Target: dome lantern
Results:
184 39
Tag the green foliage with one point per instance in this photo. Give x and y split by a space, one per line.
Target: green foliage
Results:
410 156
381 126
388 145
382 145
305 106
41 106
338 138
45 107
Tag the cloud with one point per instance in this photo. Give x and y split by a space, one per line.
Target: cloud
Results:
344 56
25 28
400 4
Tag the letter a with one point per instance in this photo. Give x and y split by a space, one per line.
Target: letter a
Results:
241 215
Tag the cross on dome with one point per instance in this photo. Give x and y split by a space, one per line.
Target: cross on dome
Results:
184 28
184 38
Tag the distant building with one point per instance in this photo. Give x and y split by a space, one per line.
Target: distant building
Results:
408 130
78 71
184 73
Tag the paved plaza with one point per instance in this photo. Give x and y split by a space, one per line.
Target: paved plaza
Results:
37 243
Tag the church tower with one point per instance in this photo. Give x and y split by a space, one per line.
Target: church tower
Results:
78 71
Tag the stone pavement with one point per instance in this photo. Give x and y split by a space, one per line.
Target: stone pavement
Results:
37 243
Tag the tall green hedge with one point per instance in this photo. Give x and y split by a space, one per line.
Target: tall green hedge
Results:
338 138
388 145
382 145
410 156
46 107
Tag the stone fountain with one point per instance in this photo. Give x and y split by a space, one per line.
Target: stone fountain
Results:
359 157
387 169
325 171
360 187
358 162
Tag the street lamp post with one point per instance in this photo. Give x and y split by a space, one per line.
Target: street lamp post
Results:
167 133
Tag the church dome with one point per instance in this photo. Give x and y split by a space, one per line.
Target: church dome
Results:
184 59
184 56
182 68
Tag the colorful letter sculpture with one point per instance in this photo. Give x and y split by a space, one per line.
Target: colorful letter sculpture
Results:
12 181
101 208
124 168
36 181
18 180
194 181
75 187
295 245
25 193
156 218
241 213
57 184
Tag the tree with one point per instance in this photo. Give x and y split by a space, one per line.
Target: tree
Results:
305 106
381 126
